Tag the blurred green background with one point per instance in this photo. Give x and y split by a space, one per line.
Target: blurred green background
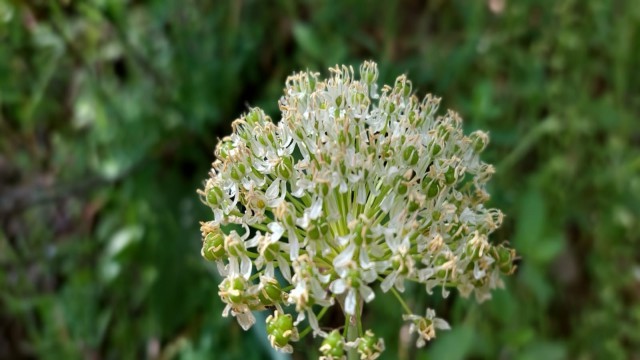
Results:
110 111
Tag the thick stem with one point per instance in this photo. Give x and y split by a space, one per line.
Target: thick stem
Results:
352 335
353 325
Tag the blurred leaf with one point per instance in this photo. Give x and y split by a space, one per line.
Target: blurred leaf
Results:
532 239
543 350
307 40
454 344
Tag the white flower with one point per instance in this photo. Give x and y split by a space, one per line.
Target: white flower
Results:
425 326
353 280
239 297
352 186
402 263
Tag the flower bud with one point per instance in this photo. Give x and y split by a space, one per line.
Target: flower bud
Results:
479 141
369 346
402 86
234 245
410 155
270 292
254 117
430 187
504 257
215 196
333 346
280 331
317 229
238 171
213 246
233 290
224 148
284 169
369 72
435 149
450 176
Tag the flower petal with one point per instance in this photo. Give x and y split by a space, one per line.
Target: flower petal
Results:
350 303
338 286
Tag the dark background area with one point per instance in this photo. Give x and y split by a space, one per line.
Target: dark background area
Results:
110 111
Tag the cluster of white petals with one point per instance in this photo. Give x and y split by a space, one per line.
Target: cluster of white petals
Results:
353 190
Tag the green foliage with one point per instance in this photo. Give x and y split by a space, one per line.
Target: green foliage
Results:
110 110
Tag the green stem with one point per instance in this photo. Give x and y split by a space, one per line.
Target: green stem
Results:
548 126
352 335
359 306
353 323
402 303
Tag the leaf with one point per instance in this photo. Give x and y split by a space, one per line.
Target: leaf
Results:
532 240
544 350
307 40
455 344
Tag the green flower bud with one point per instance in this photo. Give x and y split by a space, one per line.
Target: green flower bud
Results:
312 83
213 246
432 189
314 233
234 245
270 293
369 346
333 345
386 151
403 86
413 118
473 252
444 132
232 291
435 149
450 176
238 171
392 107
236 290
254 117
280 330
317 229
224 149
342 138
270 252
410 155
396 262
441 260
504 257
369 72
215 196
401 187
479 141
413 206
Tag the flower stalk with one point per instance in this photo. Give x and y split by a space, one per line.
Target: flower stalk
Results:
354 329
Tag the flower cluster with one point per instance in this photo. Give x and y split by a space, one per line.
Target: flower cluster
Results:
353 189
